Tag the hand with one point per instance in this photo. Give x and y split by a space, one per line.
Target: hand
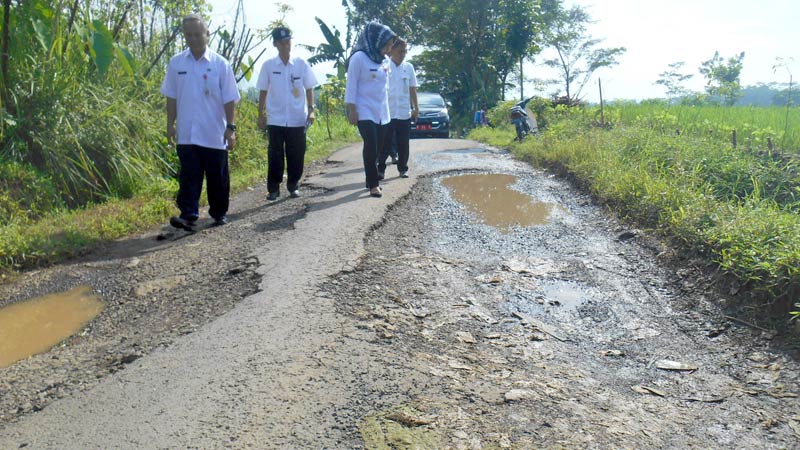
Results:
415 113
352 117
262 122
171 134
310 118
230 138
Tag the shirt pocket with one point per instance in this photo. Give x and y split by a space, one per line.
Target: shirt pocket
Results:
296 88
182 79
211 84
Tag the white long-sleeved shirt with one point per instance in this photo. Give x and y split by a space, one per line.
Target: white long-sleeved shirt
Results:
367 88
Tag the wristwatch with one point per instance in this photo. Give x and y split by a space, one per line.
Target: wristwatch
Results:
231 127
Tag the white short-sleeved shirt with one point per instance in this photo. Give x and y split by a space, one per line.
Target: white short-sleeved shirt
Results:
201 88
367 88
401 79
286 86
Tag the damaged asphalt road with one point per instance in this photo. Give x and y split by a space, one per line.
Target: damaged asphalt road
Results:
341 321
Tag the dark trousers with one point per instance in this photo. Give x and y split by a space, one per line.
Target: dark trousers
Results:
287 143
372 134
399 132
196 163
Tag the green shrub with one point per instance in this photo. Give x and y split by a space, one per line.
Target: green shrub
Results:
26 193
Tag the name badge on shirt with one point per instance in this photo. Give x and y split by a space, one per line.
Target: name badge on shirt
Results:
295 89
374 73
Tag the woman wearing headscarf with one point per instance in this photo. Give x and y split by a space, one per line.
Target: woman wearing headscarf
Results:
366 95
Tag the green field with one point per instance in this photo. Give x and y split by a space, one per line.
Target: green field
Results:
754 126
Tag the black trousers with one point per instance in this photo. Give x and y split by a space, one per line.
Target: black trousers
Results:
196 163
372 134
398 131
289 144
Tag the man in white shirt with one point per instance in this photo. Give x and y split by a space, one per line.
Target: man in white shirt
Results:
201 96
403 107
285 110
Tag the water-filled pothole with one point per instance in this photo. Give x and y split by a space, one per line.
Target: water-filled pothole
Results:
564 294
489 197
35 325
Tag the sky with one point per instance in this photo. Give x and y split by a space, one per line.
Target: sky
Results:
655 35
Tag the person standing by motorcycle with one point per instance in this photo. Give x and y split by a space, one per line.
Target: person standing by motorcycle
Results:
518 115
403 108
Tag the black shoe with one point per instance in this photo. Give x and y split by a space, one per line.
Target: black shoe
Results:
181 223
273 195
404 174
220 221
394 160
295 193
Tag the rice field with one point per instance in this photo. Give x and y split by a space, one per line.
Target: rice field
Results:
764 128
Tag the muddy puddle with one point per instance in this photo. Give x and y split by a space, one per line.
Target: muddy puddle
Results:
490 198
34 326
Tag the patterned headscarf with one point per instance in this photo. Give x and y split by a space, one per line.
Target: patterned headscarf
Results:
372 40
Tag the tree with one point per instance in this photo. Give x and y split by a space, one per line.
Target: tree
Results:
399 15
577 55
723 77
332 49
470 47
673 80
236 43
516 34
331 96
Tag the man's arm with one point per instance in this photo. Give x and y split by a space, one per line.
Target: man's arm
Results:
172 114
230 118
262 110
310 103
414 104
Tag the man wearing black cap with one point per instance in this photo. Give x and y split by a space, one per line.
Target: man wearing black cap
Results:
285 110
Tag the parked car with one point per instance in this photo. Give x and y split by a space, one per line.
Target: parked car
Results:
433 120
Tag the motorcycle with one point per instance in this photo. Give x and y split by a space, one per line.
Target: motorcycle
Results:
523 120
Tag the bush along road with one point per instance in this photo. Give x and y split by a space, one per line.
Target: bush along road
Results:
428 318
